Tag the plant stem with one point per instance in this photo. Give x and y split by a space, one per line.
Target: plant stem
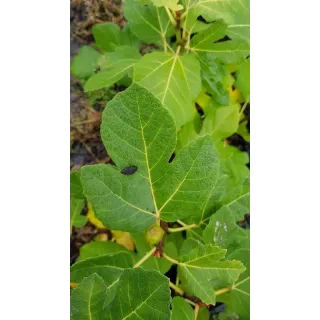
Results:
196 310
184 26
184 14
145 257
243 108
173 21
191 302
170 48
224 290
170 259
183 228
203 221
165 44
178 36
158 218
240 282
175 288
185 225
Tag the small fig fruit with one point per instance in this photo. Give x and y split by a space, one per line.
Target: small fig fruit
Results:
154 234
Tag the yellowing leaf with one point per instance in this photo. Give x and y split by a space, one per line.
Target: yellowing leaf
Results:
235 95
93 219
73 285
203 99
124 239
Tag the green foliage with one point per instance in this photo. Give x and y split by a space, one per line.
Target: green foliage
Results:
174 79
140 294
181 309
76 219
84 64
187 86
87 299
202 269
153 263
99 248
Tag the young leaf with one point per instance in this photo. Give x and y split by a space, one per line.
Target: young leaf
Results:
141 294
205 39
230 52
233 163
236 13
148 23
84 63
202 265
174 79
118 64
76 206
181 309
108 267
238 299
243 80
108 36
187 133
138 130
76 190
213 74
223 230
243 131
87 299
221 122
171 4
240 189
100 248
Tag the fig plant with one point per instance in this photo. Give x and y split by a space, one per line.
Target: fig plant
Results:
177 187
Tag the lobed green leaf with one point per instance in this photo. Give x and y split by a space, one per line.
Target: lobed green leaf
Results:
87 299
141 294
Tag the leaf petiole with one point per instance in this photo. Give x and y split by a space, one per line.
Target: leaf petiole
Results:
175 288
145 257
170 259
183 228
196 310
224 290
173 21
243 108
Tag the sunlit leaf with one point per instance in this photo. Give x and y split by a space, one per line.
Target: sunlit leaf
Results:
174 79
230 51
202 265
147 22
118 64
236 13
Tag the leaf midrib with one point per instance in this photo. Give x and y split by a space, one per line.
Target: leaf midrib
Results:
147 159
144 302
128 203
